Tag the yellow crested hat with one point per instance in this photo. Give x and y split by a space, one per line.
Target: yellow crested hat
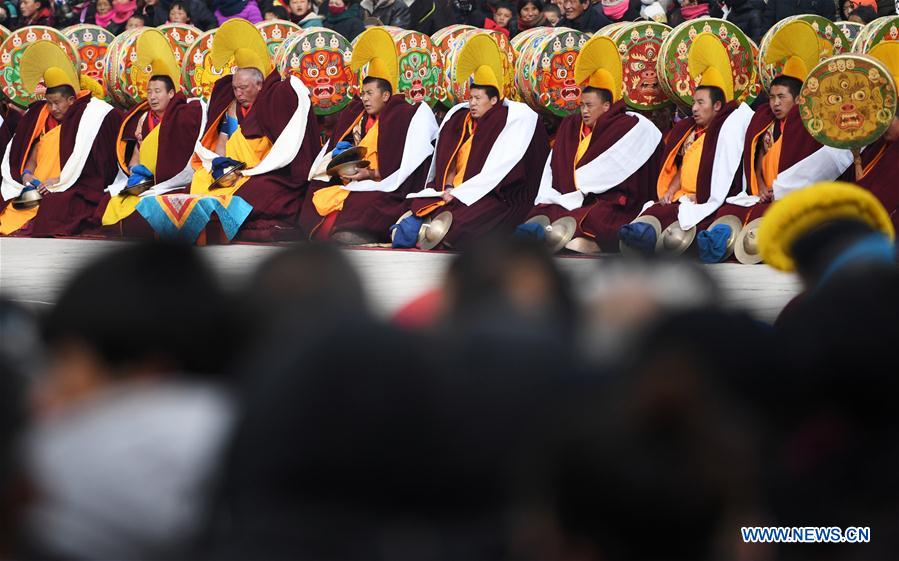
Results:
376 48
806 209
154 53
887 52
240 39
481 58
599 66
708 60
47 62
796 45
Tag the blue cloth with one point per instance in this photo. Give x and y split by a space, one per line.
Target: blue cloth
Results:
530 231
219 164
639 235
406 232
228 125
34 184
342 146
138 174
197 216
713 243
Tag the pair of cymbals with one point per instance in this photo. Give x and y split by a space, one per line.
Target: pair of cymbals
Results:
346 160
432 231
746 247
229 176
558 233
139 188
28 198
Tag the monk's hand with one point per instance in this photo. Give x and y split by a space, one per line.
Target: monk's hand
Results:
47 185
360 175
447 194
666 198
765 195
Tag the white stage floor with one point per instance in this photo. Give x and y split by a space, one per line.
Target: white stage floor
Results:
34 270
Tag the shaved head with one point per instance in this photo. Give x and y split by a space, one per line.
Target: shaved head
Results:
247 83
252 73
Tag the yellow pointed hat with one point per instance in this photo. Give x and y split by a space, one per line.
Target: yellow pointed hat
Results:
154 53
376 48
796 45
240 39
599 66
482 59
887 52
47 61
708 60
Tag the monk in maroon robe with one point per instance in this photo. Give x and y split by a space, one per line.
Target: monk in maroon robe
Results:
601 170
880 171
360 209
69 203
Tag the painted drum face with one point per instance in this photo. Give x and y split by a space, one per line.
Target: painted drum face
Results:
885 28
275 32
676 81
850 29
91 42
126 81
11 53
831 38
181 36
848 101
197 71
457 93
544 71
4 33
320 58
419 66
639 45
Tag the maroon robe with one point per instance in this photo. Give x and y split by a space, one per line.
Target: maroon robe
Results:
372 212
667 214
73 211
11 120
509 202
600 216
178 133
883 178
276 196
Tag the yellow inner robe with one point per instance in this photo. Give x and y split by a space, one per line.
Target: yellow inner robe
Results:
248 150
331 199
689 169
47 167
123 205
459 163
581 149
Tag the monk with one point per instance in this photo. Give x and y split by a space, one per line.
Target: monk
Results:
155 144
779 154
260 121
701 158
398 138
604 162
487 162
62 149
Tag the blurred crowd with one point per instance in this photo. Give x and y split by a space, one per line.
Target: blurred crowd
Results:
153 413
350 17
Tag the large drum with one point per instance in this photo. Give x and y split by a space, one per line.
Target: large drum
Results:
123 77
612 30
882 29
197 71
850 29
419 66
545 71
848 101
11 52
92 42
457 93
275 32
4 33
442 41
830 37
181 36
674 76
321 59
639 45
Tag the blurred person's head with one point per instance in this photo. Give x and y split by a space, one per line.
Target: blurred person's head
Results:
594 103
136 21
482 99
707 102
783 94
140 312
300 8
530 11
178 13
863 15
553 14
512 276
31 7
103 6
336 6
276 13
375 94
